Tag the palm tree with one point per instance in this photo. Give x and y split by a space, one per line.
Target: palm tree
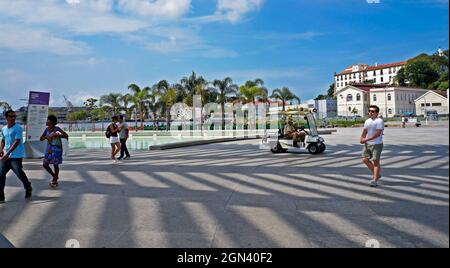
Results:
253 90
5 106
154 104
112 100
125 100
226 88
163 98
284 95
190 85
140 99
168 99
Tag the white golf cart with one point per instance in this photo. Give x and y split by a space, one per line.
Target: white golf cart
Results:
278 143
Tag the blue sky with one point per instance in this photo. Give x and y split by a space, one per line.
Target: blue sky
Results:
86 48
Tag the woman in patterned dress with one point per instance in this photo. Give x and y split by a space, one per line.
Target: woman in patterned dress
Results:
54 151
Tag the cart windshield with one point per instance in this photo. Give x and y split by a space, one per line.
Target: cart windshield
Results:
312 125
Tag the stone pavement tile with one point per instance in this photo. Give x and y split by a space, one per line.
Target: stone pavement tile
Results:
175 215
411 209
421 233
54 238
358 241
331 224
274 202
154 239
340 207
261 227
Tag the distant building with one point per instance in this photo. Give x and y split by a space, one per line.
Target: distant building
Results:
395 101
355 99
363 73
325 108
60 112
432 101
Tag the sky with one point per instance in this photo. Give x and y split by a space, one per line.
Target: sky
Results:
88 48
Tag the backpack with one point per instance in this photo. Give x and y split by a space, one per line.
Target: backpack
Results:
108 132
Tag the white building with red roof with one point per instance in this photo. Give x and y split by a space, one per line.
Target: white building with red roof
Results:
362 73
355 99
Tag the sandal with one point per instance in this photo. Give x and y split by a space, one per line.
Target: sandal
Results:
54 184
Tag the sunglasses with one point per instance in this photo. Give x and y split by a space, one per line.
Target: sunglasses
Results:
372 111
12 116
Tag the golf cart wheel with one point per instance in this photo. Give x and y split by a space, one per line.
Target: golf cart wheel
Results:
278 149
322 147
313 148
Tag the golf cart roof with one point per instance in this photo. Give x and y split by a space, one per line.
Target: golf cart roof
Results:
294 112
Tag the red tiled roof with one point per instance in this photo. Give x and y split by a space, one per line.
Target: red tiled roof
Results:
366 87
383 66
371 68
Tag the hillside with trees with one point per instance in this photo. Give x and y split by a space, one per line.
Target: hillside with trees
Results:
426 71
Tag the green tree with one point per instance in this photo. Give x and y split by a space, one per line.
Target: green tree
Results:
253 90
420 74
75 117
168 97
284 95
112 100
225 88
125 100
140 99
191 85
330 92
321 97
5 106
426 71
91 107
154 104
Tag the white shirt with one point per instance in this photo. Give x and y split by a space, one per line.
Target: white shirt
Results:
372 126
123 130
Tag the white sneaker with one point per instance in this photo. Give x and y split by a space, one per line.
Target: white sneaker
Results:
373 183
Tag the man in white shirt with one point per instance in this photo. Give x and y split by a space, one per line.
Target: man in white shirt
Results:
123 136
372 138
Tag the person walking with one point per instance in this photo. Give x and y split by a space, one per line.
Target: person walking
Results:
123 136
54 151
12 152
113 130
404 120
372 139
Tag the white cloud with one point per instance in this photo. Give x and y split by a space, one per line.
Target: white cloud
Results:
85 17
171 9
234 10
29 40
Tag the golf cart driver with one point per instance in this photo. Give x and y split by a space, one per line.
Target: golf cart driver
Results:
291 132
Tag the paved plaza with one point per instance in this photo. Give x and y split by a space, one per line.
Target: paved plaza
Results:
237 195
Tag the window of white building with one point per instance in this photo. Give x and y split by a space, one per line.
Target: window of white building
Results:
389 111
349 97
389 97
374 97
358 97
